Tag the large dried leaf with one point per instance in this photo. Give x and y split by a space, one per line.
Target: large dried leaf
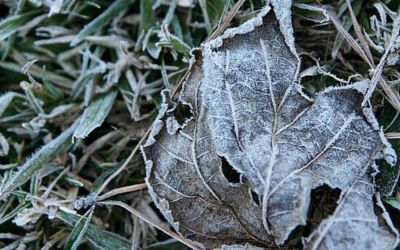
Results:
248 112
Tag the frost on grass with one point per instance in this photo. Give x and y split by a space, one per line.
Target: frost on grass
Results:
248 115
94 115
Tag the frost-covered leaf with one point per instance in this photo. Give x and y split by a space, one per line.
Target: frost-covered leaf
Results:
95 114
248 114
354 216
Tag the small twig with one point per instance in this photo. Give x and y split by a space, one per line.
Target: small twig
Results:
122 190
9 236
375 78
53 183
393 97
326 73
125 164
159 226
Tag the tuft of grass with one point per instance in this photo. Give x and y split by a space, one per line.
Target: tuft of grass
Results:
80 87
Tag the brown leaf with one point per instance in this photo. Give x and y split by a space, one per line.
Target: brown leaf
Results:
249 115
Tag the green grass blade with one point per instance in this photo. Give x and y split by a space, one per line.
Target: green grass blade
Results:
310 12
145 26
146 15
32 99
393 202
100 238
6 99
179 45
36 71
94 115
14 23
102 20
347 23
13 213
79 230
37 161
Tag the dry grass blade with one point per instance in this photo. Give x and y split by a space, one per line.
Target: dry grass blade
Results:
379 69
122 190
155 224
393 96
203 6
392 135
360 36
353 43
227 19
124 165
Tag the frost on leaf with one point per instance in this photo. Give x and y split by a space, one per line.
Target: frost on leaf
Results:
354 213
248 110
186 180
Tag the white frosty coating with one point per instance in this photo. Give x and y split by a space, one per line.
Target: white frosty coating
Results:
157 127
361 87
369 115
158 123
282 9
248 108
